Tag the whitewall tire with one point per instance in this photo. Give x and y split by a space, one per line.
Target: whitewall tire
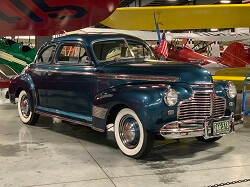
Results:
25 109
131 137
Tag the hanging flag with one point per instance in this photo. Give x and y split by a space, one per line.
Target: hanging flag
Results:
163 48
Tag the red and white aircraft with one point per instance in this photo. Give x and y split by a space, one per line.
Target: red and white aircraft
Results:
50 17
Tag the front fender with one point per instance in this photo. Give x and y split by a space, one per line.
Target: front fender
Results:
147 101
22 82
220 88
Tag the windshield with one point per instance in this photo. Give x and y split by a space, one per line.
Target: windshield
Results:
111 50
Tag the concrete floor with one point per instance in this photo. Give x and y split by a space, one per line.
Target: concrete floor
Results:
55 154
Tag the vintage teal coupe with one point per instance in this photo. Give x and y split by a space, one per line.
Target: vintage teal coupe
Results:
114 83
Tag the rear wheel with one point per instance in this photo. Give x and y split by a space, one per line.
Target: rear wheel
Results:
132 139
202 139
25 109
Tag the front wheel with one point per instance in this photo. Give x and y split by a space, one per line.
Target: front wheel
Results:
202 139
25 110
132 139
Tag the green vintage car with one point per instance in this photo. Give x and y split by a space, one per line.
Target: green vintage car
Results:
14 57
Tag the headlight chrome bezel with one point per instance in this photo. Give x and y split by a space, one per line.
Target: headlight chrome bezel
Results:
231 90
171 97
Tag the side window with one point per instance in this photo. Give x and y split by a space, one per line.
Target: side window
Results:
140 50
109 50
73 54
47 55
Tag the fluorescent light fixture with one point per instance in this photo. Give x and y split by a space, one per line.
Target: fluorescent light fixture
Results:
213 29
21 37
225 1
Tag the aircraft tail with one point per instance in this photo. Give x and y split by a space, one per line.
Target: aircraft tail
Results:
235 56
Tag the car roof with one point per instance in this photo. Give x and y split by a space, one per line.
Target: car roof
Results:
93 36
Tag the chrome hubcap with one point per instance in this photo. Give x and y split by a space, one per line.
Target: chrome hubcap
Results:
25 106
129 131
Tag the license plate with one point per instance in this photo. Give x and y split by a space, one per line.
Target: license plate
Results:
221 127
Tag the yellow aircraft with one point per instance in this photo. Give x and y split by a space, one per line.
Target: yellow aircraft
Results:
180 17
236 75
184 18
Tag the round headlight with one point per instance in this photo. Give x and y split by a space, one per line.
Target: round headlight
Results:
171 97
231 90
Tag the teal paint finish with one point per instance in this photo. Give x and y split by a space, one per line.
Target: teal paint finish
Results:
25 82
72 90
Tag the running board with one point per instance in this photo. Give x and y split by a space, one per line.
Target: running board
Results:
40 111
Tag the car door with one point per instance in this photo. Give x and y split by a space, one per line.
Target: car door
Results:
70 81
39 73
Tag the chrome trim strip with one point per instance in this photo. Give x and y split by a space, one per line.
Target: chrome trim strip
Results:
137 77
72 72
99 112
69 120
116 76
202 85
40 70
181 130
183 135
64 72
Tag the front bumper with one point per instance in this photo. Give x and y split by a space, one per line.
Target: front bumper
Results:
177 129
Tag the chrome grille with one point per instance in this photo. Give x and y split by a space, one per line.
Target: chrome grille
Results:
219 106
202 105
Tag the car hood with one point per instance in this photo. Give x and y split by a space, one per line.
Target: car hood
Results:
186 73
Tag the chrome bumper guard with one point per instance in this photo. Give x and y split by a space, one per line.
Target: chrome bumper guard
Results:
176 130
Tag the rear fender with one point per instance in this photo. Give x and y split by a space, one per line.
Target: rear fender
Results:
22 82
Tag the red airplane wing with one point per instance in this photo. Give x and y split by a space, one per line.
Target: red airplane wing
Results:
49 17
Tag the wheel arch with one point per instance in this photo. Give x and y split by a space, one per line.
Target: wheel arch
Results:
112 113
18 91
20 83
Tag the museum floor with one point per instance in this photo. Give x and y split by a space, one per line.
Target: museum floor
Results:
55 154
